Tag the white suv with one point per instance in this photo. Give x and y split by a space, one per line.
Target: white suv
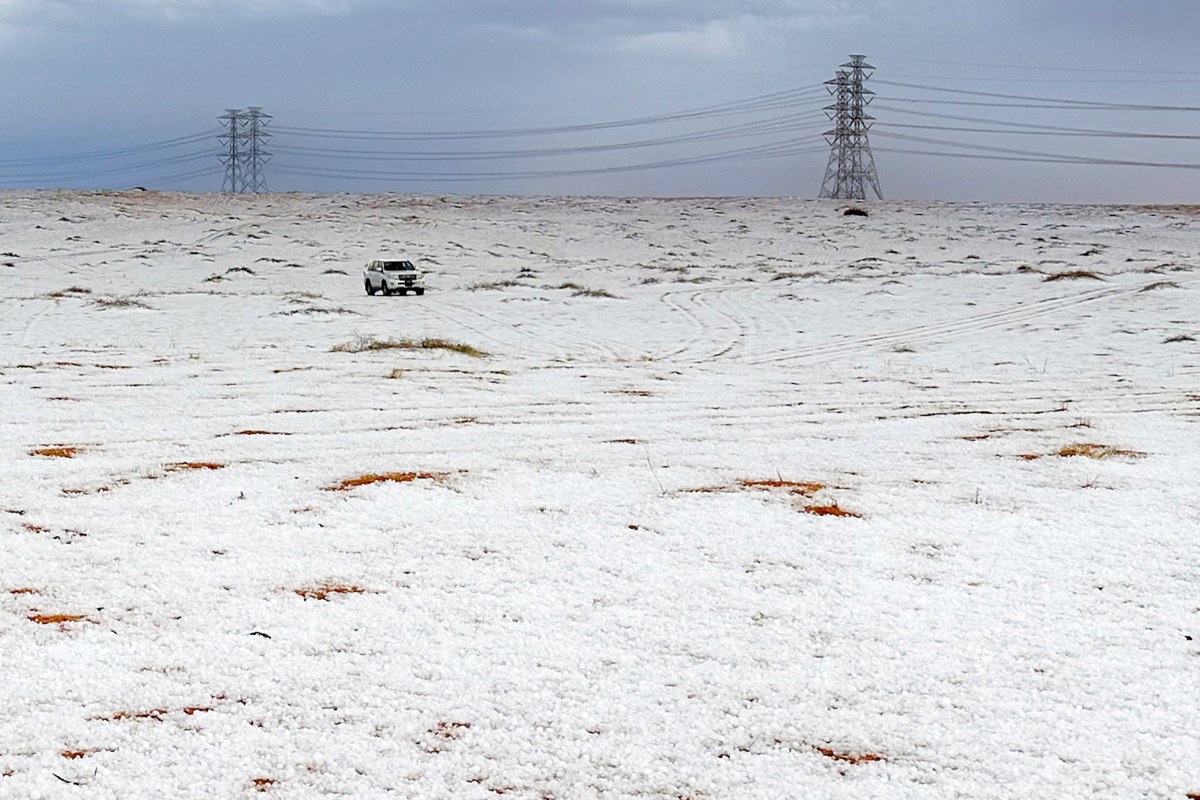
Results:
393 276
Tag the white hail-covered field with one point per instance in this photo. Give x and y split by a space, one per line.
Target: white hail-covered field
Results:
743 499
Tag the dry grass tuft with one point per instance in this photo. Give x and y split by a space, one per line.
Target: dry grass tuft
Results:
70 290
830 510
155 714
368 344
261 784
55 619
849 758
60 451
385 477
23 590
75 753
1150 287
119 302
1098 451
323 591
593 293
504 284
1075 274
184 466
255 432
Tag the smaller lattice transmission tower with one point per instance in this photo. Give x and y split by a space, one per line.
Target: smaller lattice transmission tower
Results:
851 167
243 152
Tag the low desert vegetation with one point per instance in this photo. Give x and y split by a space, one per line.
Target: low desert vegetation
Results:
583 291
1087 450
187 466
505 284
1150 287
120 302
328 589
1073 275
70 291
369 344
1098 451
1179 337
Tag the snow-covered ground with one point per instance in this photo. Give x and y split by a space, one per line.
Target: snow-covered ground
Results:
606 565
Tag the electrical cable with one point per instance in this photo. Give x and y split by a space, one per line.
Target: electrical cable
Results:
761 128
773 101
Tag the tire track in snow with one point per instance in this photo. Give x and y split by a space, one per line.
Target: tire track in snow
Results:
977 323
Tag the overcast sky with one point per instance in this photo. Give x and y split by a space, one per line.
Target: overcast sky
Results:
85 75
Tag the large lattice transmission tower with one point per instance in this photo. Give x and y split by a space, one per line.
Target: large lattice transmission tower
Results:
243 154
255 176
851 167
231 141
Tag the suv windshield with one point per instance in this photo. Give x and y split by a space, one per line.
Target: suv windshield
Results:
394 266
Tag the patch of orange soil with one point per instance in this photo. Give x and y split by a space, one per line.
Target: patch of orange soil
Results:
58 451
385 477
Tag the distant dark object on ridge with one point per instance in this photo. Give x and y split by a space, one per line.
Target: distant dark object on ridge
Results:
855 212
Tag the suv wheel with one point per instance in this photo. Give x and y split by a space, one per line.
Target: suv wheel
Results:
419 292
383 287
369 288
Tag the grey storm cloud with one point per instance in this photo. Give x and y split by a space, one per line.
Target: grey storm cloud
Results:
89 74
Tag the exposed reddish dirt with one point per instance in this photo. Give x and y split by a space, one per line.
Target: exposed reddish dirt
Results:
385 477
55 619
58 451
849 758
831 510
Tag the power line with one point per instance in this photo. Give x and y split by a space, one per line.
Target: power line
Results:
103 155
771 150
774 101
1057 157
786 124
1009 123
1047 68
1080 104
